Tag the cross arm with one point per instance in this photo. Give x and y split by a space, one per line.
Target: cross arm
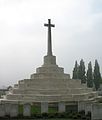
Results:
46 25
52 25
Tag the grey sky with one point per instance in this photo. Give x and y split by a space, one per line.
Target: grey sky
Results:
23 38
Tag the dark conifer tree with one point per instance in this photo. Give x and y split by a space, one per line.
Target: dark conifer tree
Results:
75 71
89 76
81 72
97 75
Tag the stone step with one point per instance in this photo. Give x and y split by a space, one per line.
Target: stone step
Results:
56 97
51 91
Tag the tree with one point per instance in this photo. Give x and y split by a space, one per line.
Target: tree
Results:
97 75
101 81
75 71
81 72
89 76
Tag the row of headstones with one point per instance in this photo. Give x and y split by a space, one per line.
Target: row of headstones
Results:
94 108
13 109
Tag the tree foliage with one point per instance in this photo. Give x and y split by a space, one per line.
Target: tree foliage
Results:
97 75
89 75
81 71
75 71
92 78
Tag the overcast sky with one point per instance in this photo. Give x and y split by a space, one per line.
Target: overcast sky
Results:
23 37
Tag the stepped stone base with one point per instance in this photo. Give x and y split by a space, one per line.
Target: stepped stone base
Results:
49 84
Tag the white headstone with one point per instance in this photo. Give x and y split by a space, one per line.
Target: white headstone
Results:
44 107
61 107
27 110
2 110
14 110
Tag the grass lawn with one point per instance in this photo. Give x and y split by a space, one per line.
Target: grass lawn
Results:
20 109
35 109
52 110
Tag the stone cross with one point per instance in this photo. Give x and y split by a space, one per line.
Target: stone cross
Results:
49 25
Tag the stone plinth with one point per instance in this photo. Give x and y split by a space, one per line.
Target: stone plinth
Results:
44 107
14 110
61 107
27 110
2 110
96 111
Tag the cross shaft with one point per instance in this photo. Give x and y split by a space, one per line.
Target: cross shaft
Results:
49 25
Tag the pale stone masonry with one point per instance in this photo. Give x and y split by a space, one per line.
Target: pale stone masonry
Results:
61 107
14 110
2 110
27 110
95 108
96 112
50 87
49 84
44 107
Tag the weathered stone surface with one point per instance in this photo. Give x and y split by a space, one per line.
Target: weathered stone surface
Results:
27 110
14 110
50 84
44 107
81 106
2 110
7 108
96 111
88 107
61 107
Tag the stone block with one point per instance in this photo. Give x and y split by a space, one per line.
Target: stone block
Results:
96 112
81 106
27 110
88 107
7 108
61 107
44 107
2 110
14 110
